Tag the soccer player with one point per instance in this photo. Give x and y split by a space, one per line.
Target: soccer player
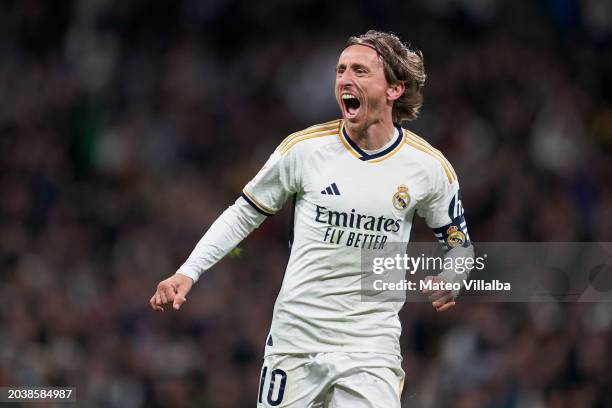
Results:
355 183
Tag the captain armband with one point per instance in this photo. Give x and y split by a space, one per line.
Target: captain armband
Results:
453 235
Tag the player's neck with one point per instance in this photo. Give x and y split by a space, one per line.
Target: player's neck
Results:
373 136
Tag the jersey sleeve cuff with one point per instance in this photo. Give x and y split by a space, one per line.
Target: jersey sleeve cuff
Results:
187 271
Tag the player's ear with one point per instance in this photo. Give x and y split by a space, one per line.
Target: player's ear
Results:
394 91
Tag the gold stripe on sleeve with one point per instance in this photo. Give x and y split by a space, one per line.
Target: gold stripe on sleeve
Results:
257 203
421 148
425 143
427 148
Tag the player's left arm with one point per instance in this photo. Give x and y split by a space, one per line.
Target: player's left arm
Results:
444 214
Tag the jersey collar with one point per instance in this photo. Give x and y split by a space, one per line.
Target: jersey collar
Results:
375 157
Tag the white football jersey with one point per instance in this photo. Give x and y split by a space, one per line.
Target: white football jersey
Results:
346 199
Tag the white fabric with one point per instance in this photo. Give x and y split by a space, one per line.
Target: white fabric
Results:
345 201
236 222
319 307
331 380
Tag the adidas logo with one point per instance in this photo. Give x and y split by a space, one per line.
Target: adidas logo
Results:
331 190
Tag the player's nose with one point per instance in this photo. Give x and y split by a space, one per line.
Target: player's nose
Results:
344 81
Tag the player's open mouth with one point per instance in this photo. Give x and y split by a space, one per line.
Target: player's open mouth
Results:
351 105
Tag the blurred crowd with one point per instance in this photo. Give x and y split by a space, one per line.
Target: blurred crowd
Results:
126 127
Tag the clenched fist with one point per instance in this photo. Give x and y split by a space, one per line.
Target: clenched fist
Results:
172 290
441 299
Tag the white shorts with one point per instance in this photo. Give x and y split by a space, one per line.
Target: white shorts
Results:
331 380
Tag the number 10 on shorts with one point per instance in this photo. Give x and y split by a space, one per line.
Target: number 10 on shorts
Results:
276 388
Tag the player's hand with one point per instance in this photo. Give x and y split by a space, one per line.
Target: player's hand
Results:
441 300
172 290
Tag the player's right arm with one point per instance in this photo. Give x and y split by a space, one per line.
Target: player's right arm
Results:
263 196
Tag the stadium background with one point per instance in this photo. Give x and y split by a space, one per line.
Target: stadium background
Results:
126 127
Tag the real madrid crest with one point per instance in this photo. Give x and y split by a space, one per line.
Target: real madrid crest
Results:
401 199
456 237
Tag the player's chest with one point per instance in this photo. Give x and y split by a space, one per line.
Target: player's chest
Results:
375 189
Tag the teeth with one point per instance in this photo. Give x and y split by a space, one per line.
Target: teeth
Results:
348 96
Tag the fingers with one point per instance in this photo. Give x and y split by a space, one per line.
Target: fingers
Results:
178 301
181 295
164 294
441 300
172 290
167 293
159 300
183 286
155 303
439 294
446 306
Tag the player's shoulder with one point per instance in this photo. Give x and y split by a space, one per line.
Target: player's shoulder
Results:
311 137
431 157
